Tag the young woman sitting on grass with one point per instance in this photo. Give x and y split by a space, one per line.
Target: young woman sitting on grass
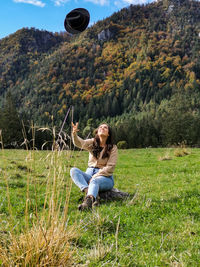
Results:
101 164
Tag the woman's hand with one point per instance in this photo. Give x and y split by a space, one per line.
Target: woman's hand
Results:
75 128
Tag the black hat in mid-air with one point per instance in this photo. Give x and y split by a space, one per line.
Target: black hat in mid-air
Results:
77 20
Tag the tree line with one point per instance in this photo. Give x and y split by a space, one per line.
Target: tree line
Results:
173 122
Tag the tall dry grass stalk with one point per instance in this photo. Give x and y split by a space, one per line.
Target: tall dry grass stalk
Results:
45 241
28 177
116 238
58 188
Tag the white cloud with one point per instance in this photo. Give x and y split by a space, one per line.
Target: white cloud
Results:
32 2
129 1
125 3
60 2
134 1
118 4
99 2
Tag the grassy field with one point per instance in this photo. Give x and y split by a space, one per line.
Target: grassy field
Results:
158 225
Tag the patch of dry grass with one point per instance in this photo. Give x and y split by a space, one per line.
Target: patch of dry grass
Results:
181 152
165 157
39 246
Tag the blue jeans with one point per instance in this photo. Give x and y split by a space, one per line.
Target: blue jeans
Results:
100 183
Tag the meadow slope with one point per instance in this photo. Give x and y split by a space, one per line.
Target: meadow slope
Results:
157 225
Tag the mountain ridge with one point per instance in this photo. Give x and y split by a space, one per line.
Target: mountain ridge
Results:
151 55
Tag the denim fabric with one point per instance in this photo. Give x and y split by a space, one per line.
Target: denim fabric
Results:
100 183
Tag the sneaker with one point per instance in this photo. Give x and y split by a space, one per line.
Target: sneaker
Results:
87 203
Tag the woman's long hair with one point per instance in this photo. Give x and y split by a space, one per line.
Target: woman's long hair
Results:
96 149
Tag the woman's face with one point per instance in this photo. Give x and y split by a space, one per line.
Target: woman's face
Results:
103 130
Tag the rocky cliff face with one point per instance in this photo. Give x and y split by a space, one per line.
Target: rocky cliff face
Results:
105 35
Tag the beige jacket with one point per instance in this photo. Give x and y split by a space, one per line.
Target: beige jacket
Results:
106 165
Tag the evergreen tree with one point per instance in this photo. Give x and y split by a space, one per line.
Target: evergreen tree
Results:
178 122
88 130
10 124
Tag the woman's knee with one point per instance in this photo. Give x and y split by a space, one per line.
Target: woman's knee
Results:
73 171
94 181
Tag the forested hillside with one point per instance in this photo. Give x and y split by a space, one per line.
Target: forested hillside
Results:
138 70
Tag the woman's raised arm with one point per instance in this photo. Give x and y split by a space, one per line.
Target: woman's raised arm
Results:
79 142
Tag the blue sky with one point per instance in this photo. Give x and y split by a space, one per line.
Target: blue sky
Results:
50 14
